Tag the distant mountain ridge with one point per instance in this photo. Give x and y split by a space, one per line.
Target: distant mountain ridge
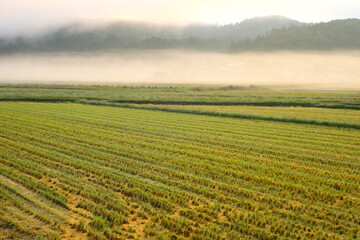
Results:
260 33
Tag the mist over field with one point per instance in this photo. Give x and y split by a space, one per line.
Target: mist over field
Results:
264 50
326 70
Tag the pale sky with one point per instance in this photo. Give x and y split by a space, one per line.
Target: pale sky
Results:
18 16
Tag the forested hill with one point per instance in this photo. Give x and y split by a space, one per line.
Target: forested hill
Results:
337 34
261 33
130 35
232 33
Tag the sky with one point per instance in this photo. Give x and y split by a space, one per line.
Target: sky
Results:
26 16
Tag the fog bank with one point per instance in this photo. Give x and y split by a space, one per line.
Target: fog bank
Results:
325 70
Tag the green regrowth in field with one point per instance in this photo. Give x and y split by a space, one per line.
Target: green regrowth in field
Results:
79 171
182 94
320 114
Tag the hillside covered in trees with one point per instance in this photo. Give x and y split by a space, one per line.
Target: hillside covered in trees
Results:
261 33
135 35
338 34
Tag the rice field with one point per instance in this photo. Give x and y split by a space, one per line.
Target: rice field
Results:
183 94
74 171
307 113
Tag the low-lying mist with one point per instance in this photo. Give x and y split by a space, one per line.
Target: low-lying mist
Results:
323 70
